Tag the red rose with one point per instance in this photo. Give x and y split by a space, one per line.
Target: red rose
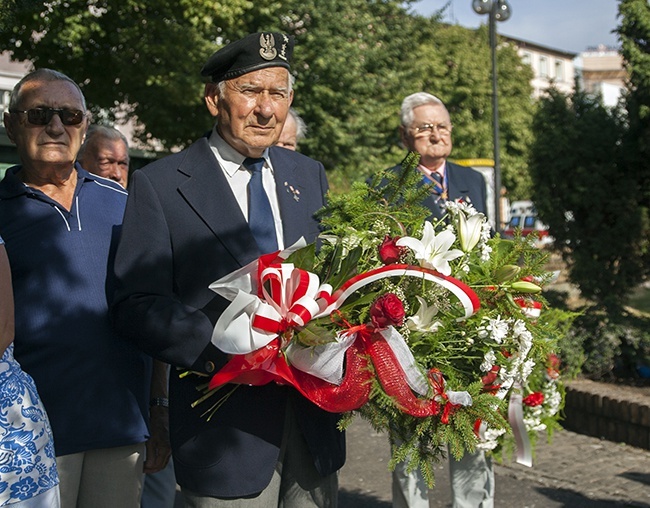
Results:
387 310
389 252
490 378
534 399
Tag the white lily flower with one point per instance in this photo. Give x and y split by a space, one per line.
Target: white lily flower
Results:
469 230
423 320
433 250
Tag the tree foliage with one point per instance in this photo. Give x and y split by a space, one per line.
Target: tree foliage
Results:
131 57
355 60
352 61
587 198
634 33
459 72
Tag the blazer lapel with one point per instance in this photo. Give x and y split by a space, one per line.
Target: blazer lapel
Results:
288 179
457 186
208 193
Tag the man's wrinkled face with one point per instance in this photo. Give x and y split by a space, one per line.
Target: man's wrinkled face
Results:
252 109
429 134
54 144
108 158
289 135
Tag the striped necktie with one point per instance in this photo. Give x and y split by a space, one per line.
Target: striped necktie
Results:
439 184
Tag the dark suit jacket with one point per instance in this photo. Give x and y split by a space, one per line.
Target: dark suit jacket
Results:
183 229
462 183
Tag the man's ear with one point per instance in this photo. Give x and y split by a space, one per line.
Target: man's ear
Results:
6 119
211 97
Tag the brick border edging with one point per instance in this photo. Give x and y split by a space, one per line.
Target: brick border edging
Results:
610 417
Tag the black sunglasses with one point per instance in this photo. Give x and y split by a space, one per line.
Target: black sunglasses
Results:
43 116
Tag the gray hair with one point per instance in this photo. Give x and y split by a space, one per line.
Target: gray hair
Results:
96 132
413 101
42 75
301 126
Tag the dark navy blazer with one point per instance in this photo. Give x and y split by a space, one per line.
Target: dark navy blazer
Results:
183 230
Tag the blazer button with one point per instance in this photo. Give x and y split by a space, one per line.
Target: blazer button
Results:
209 367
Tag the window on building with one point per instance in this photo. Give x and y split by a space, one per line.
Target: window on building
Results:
559 70
543 67
4 100
527 58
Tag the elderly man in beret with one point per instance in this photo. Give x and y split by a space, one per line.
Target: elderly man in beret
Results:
192 218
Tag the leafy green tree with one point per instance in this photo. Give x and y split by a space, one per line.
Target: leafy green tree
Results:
352 62
634 33
463 81
588 199
131 57
355 61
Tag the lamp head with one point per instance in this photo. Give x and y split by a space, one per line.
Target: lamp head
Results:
502 11
482 6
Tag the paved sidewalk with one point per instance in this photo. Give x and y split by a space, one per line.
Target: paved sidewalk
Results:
574 471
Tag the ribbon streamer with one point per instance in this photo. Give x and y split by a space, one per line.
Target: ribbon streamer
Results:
516 420
258 325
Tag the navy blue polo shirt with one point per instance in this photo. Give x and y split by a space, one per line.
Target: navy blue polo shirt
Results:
93 383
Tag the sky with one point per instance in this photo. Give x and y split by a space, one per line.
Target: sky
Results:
567 25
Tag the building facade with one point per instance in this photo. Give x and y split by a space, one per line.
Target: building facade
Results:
550 66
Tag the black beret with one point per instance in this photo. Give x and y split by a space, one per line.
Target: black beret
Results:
253 52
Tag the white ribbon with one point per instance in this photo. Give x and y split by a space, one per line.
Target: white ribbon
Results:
324 361
250 323
516 419
412 370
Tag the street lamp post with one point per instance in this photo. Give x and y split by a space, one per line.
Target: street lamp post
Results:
497 10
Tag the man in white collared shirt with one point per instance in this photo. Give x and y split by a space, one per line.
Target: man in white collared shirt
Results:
188 224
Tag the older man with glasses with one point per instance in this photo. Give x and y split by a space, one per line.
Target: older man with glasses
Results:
60 223
426 129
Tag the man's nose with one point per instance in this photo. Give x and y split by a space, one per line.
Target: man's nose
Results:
55 125
265 105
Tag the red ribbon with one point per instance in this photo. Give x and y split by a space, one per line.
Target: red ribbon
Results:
268 364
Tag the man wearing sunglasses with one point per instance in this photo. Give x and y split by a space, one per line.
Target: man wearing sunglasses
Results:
193 218
59 223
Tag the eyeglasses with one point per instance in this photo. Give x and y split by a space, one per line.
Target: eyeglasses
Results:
43 116
428 128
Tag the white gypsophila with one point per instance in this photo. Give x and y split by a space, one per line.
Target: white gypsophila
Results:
526 369
552 398
481 332
488 361
498 329
486 250
534 424
525 344
519 327
490 439
348 242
